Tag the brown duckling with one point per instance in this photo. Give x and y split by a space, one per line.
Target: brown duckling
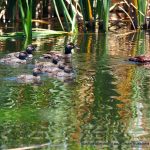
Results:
55 70
61 75
28 78
18 57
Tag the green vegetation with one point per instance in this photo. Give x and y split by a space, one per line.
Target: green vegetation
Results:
74 15
26 15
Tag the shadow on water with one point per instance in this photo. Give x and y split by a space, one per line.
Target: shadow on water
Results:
106 107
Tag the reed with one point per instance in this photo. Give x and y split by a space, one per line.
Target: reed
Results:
69 18
26 15
142 4
139 9
90 11
105 18
57 12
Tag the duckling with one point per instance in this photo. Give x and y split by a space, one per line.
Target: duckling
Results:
28 78
61 75
45 66
28 53
140 59
31 48
68 69
58 71
59 65
18 57
22 55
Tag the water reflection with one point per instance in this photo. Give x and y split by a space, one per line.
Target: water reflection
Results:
106 107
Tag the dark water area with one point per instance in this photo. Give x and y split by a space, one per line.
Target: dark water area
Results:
106 106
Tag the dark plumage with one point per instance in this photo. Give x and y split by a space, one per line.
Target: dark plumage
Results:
30 49
18 57
23 55
68 48
56 56
56 64
36 71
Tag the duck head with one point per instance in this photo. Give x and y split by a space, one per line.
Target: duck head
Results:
55 60
30 49
23 55
36 72
69 47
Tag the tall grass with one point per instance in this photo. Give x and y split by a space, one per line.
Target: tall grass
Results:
106 5
26 15
139 12
70 20
142 4
93 9
88 12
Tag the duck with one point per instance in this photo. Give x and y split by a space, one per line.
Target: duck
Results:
19 57
31 48
65 74
140 59
44 67
56 56
28 53
30 78
57 71
56 64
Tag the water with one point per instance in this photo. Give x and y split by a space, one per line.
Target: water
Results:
105 107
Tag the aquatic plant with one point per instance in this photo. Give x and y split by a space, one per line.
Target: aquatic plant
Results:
26 15
70 18
78 14
142 4
137 10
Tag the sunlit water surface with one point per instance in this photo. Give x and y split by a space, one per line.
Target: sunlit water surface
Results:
107 106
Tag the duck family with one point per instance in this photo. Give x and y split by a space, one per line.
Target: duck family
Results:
54 64
57 65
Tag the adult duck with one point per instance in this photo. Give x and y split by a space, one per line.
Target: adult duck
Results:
56 56
140 59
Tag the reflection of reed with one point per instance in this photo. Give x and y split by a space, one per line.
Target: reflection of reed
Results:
84 90
124 76
139 75
97 107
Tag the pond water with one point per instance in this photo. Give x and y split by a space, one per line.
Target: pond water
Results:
106 106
